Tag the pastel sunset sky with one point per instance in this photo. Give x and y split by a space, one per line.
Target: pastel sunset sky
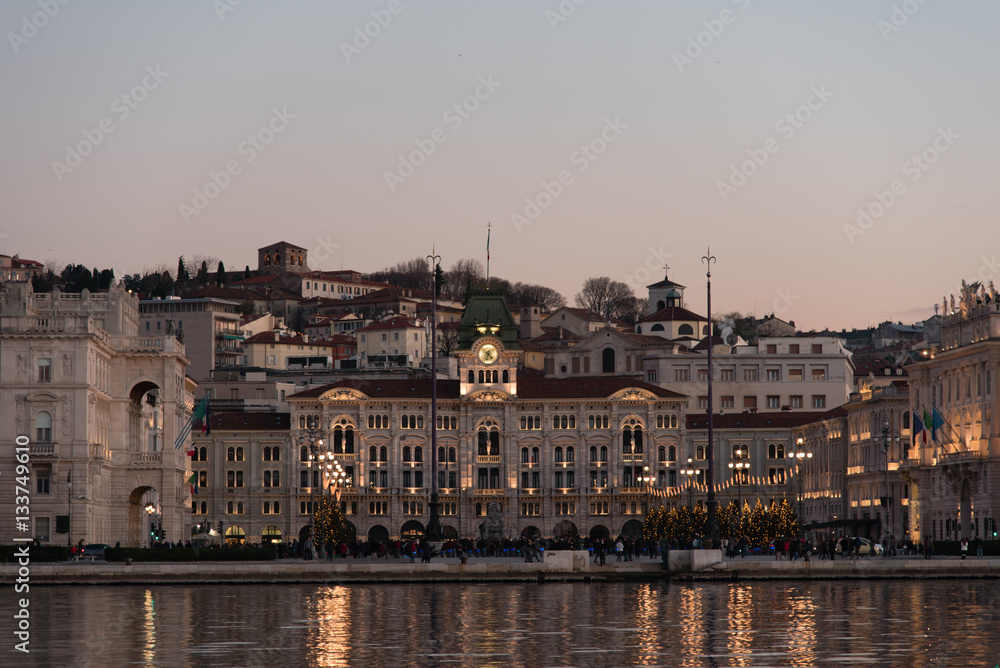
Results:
839 157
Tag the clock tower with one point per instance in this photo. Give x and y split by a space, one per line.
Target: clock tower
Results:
488 350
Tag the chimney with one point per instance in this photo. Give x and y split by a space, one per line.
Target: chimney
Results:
531 325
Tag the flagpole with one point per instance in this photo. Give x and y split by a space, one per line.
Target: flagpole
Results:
488 227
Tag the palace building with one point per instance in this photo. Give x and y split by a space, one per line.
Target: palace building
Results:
561 456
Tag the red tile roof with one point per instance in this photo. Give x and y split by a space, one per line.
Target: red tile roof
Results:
256 421
399 322
673 314
780 420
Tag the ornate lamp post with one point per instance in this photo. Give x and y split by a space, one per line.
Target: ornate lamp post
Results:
738 466
434 521
711 525
689 472
647 479
312 438
885 441
798 456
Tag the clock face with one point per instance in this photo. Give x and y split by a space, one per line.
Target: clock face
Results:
488 353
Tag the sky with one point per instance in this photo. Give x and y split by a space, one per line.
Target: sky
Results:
839 158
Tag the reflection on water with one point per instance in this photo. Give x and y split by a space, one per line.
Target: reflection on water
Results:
891 623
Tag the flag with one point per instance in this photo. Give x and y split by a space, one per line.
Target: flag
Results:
487 243
928 424
193 481
937 421
918 429
199 413
206 427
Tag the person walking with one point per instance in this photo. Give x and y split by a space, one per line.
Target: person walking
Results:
964 547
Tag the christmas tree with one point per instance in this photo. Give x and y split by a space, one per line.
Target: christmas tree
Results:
330 526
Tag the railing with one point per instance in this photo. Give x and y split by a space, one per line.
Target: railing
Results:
42 449
633 457
489 492
99 451
970 455
487 459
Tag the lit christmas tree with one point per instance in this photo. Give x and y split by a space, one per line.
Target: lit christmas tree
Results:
756 526
330 526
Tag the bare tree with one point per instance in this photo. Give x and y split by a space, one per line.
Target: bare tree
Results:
633 310
604 297
447 342
415 273
526 294
462 275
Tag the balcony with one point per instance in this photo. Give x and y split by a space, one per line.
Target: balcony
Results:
42 449
99 451
960 457
489 492
633 457
487 459
146 459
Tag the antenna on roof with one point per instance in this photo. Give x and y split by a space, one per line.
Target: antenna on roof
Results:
488 227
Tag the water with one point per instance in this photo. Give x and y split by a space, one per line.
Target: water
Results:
845 623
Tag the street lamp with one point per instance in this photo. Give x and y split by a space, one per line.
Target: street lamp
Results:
798 456
738 466
647 479
885 442
312 438
689 471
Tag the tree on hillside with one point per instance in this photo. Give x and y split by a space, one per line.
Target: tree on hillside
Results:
604 297
182 270
202 275
460 276
220 274
526 294
415 274
247 273
632 311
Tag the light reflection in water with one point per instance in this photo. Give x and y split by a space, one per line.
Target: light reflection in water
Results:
893 623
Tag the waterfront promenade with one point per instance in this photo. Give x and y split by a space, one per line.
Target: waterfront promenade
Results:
558 566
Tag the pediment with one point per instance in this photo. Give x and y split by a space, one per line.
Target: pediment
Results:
344 394
488 395
633 394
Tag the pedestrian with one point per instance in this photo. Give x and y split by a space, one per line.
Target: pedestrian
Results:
964 547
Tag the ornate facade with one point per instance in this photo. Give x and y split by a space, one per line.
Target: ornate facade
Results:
953 468
560 456
100 407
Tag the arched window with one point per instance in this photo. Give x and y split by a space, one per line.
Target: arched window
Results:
372 454
43 427
383 454
535 456
685 330
239 454
673 421
608 360
441 455
276 454
637 440
452 479
494 442
452 455
472 376
593 453
303 454
524 455
558 455
659 328
406 453
418 454
604 453
506 376
302 422
662 454
203 454
231 454
570 453
671 454
700 452
483 442
627 440
482 376
267 454
371 421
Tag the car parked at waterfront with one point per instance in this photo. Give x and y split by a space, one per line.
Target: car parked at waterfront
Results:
94 551
866 547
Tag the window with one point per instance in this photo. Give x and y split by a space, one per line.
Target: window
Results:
773 401
43 427
750 403
776 476
774 374
795 375
700 452
819 401
43 480
793 349
727 374
650 376
817 349
819 374
272 479
702 375
45 370
750 375
728 402
608 360
202 479
703 401
682 375
772 349
795 401
776 451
